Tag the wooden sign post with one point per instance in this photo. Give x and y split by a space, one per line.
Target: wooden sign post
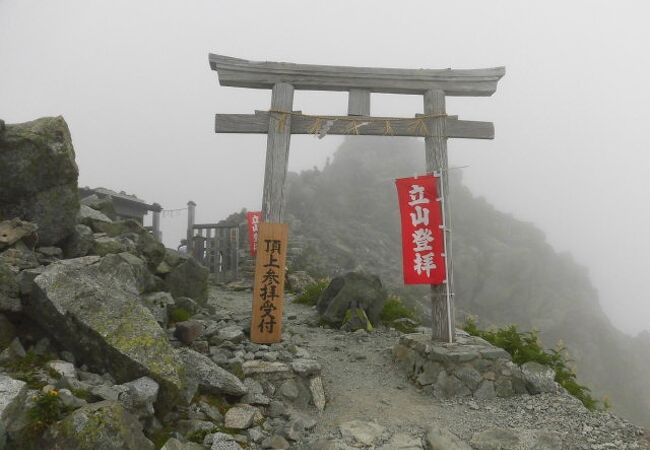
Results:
435 126
268 292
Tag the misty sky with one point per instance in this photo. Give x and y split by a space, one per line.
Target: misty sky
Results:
571 115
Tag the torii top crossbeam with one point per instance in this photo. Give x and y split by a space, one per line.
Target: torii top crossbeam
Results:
280 122
263 75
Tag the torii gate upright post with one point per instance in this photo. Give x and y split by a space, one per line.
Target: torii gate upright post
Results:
435 126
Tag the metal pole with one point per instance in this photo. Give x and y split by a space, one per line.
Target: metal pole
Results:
445 231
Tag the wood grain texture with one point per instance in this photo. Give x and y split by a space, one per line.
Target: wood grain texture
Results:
264 75
277 153
436 161
258 123
268 290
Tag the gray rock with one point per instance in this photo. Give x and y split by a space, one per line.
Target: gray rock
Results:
403 441
539 378
242 416
69 400
265 367
469 376
350 291
256 399
485 391
87 216
104 205
14 350
175 444
438 438
3 437
222 441
211 412
106 392
63 368
448 386
192 426
140 396
14 230
232 333
255 434
159 303
317 393
289 389
429 374
253 386
496 439
189 279
276 442
106 245
9 290
306 367
103 425
7 332
91 305
357 431
79 243
210 377
276 409
12 396
38 177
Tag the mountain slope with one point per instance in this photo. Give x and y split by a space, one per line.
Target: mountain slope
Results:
505 271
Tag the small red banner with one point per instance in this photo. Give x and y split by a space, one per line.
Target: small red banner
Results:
423 244
253 218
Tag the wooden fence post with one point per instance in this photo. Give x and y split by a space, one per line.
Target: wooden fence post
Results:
190 226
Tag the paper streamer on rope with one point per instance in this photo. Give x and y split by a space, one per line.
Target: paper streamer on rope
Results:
423 244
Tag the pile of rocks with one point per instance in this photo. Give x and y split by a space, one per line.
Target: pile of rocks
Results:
107 339
469 367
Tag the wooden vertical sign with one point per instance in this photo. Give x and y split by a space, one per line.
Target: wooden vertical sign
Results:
268 292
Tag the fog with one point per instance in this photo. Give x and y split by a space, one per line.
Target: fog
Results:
571 115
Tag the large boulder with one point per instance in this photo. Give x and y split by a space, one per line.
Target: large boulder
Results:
9 290
92 306
38 177
12 395
350 292
189 279
211 378
104 425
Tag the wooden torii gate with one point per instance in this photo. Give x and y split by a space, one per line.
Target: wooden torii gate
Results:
281 121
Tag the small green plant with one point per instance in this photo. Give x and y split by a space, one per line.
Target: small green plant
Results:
29 369
393 310
47 409
179 315
312 292
526 346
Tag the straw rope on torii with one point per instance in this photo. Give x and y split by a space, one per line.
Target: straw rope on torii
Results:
281 121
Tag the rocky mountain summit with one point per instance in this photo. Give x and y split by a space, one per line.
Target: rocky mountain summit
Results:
108 340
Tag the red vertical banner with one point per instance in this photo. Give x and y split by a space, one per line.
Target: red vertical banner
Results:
253 218
423 244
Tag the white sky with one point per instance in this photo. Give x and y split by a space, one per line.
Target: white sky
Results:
133 82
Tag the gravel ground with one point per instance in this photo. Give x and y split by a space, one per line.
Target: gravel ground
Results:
362 383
